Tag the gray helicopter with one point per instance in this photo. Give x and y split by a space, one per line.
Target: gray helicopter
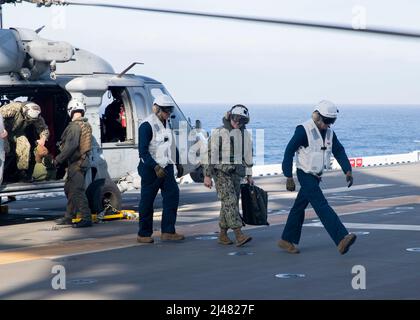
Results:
53 72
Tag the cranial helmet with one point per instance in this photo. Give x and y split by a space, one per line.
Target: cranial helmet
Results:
165 103
239 113
327 110
75 105
31 110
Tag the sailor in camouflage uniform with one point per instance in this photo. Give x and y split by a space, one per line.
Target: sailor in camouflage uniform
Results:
229 161
76 143
17 117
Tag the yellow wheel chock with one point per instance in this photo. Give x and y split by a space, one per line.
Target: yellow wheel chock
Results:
121 214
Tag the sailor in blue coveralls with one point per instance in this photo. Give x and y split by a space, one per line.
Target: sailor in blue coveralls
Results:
314 143
156 168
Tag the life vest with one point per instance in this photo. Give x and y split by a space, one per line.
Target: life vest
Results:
160 145
317 155
85 142
85 136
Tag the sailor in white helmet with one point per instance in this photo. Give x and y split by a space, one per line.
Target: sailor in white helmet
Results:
314 142
17 117
157 154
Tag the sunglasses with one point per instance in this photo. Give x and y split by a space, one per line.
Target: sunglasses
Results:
239 119
167 109
328 120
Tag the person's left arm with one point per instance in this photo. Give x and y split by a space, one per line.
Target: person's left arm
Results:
248 156
342 159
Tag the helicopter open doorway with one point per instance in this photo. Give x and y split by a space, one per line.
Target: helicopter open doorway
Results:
53 102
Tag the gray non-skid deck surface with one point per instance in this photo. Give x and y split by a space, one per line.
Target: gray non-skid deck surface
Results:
202 269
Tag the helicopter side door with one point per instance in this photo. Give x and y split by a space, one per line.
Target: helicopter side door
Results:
118 126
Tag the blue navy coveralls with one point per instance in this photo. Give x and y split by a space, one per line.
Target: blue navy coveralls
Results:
310 192
150 185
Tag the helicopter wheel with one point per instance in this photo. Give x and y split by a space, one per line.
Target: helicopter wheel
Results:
103 193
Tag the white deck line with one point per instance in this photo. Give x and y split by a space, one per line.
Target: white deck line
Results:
373 226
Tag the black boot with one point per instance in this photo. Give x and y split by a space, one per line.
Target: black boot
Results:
82 224
24 176
64 221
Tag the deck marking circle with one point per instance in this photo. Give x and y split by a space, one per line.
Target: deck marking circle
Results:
290 275
206 238
82 281
361 233
240 253
413 249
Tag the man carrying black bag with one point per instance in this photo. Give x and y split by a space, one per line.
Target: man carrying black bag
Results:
254 205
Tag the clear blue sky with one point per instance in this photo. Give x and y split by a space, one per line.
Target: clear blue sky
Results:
209 60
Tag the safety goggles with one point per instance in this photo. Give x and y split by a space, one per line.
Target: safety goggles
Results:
328 120
239 119
167 109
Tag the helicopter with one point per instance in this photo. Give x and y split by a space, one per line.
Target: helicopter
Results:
52 72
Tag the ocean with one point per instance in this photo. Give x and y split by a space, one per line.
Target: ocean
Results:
363 130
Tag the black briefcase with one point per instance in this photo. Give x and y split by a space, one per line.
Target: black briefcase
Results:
254 205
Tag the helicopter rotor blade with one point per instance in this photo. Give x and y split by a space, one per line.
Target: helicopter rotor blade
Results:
377 31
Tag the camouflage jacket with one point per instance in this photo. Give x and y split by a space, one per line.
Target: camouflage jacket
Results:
15 122
229 151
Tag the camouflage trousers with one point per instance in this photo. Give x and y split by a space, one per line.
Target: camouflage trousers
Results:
23 149
228 189
74 188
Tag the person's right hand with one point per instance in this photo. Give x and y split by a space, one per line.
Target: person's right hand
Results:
290 184
349 179
208 182
3 134
160 172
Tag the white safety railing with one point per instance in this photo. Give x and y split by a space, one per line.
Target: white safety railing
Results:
373 161
132 180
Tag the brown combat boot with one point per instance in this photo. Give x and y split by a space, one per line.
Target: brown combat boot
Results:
171 236
288 246
141 239
241 239
346 242
223 237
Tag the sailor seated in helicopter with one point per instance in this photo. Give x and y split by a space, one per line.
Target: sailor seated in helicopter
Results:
44 168
114 119
17 117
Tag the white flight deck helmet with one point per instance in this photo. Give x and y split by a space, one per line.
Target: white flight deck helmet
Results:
241 111
75 105
327 110
32 110
164 102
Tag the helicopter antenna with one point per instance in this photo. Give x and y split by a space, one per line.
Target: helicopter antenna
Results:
128 68
40 29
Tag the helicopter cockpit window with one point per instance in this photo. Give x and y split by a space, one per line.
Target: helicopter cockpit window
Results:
114 117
